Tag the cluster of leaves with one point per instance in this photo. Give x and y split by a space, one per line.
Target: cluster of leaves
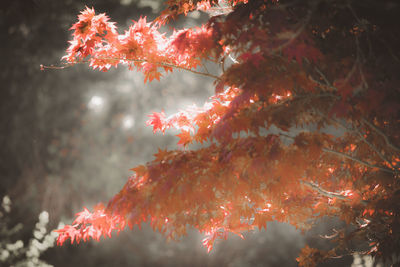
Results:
142 46
299 69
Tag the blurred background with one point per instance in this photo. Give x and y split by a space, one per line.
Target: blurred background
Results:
69 137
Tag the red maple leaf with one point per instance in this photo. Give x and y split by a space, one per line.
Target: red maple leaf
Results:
181 41
140 170
255 59
161 154
185 138
158 121
300 49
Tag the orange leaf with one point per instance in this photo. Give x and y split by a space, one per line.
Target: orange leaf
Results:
185 138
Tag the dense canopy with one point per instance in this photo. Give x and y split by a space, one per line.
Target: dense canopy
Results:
304 122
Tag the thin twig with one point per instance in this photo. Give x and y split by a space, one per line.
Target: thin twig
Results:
164 64
222 63
294 36
328 83
356 160
183 68
302 97
205 67
374 149
351 72
348 76
328 193
363 78
233 59
67 65
320 84
341 154
324 192
357 131
385 137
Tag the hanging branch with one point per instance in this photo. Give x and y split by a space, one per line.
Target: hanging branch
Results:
164 64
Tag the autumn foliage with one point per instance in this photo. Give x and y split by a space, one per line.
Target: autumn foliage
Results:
304 122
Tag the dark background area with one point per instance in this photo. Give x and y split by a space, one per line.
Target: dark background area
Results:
69 137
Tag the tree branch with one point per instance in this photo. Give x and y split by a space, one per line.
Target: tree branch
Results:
343 155
329 194
176 67
52 67
385 137
323 76
374 149
165 64
323 192
320 84
358 132
294 36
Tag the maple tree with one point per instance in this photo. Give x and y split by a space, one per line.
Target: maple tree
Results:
290 72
